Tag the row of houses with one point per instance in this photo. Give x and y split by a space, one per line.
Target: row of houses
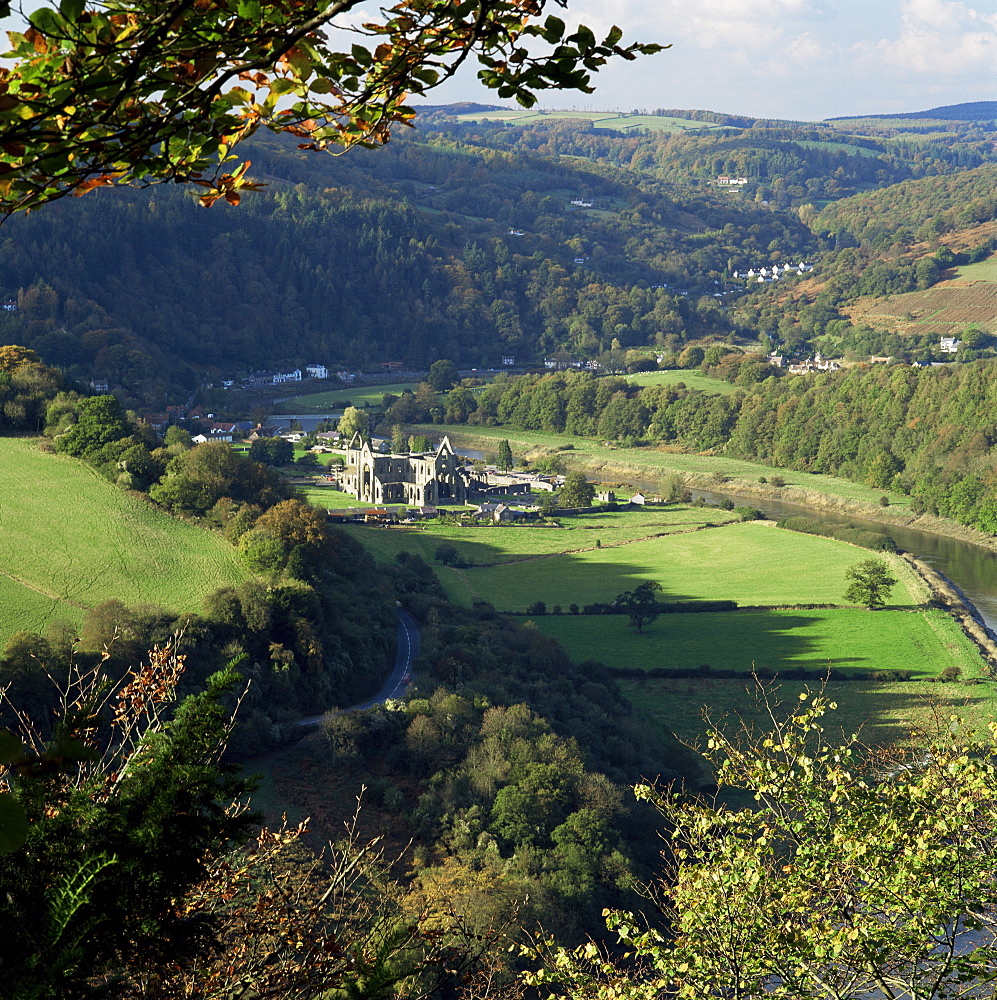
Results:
773 273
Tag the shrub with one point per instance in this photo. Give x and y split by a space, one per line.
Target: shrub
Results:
446 554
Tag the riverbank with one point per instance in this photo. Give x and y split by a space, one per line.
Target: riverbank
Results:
944 592
643 468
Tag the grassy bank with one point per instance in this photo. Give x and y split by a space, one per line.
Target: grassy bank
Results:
73 540
610 463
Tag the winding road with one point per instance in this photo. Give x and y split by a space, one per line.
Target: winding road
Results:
394 687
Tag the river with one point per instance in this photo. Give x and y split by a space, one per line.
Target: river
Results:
971 568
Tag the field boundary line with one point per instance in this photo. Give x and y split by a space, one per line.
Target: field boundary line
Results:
43 592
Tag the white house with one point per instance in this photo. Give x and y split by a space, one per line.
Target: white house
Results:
949 345
317 371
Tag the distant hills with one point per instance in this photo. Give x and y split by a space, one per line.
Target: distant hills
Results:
972 111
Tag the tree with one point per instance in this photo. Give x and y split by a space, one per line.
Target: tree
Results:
577 491
443 375
547 503
854 874
138 93
272 451
640 604
673 489
99 420
447 554
504 460
871 583
354 421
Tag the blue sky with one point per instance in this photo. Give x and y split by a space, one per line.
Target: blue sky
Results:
797 59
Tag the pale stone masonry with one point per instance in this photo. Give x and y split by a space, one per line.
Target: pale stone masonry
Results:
418 480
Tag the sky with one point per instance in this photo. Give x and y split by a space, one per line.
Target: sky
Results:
789 59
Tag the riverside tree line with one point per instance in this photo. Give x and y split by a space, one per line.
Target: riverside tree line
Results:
926 433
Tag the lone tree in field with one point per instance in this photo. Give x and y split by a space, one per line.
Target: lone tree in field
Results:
640 604
871 583
504 460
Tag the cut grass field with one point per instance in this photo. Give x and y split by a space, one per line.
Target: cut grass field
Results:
72 540
486 545
692 379
751 563
983 270
924 641
336 399
610 464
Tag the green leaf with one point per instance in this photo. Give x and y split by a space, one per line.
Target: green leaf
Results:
553 30
13 824
71 9
46 21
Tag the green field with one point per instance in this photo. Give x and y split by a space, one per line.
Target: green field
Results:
71 540
487 544
602 119
924 641
983 270
753 563
881 712
610 463
327 498
748 563
336 399
691 378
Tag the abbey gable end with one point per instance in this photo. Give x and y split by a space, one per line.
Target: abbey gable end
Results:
419 480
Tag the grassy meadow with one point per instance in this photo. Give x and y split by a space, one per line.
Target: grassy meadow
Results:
337 399
691 378
610 463
880 712
487 545
71 540
602 555
843 639
753 563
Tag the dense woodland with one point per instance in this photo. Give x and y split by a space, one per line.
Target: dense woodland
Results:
461 241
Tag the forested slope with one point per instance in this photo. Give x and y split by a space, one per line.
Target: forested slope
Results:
432 247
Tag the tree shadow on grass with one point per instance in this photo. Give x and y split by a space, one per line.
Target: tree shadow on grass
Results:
880 713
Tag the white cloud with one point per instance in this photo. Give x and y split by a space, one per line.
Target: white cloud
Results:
938 37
